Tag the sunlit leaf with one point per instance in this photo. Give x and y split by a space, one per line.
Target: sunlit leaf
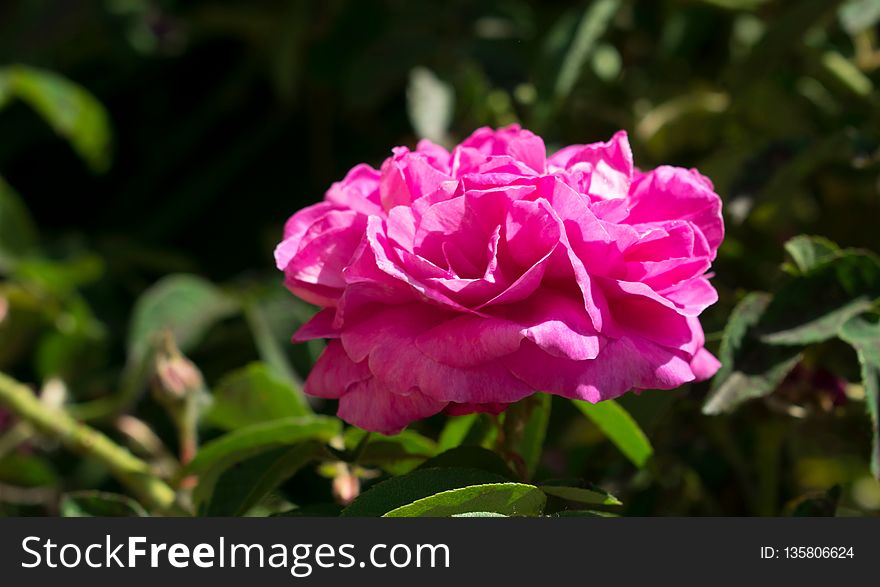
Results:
510 499
587 495
400 491
620 428
455 431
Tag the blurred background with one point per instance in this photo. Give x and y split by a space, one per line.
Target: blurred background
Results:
147 138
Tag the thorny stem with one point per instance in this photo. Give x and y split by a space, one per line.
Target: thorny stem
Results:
88 442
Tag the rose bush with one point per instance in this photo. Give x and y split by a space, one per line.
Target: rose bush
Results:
466 280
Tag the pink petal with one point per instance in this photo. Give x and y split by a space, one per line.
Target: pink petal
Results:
334 372
673 193
622 365
319 326
368 405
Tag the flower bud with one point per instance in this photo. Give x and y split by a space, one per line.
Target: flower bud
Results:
346 485
176 378
4 308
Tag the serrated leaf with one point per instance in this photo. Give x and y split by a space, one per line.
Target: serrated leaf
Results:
253 395
864 336
471 457
68 108
99 504
400 491
620 428
749 368
244 442
510 499
811 308
242 485
809 251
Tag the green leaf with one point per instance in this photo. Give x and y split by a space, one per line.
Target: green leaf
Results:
620 428
455 431
186 304
257 313
253 395
592 26
471 457
244 442
479 515
583 514
67 107
99 504
242 485
531 446
749 367
510 499
589 495
18 233
864 335
809 251
400 491
811 308
397 454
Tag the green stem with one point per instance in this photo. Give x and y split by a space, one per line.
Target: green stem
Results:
88 442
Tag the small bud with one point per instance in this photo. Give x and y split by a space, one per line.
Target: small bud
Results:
176 377
346 485
4 309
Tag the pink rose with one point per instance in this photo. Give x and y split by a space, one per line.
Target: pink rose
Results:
467 280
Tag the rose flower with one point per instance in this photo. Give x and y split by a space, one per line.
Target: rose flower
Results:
467 280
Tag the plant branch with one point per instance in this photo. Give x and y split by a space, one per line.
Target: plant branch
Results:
88 442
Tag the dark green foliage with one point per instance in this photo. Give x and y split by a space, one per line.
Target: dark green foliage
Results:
152 152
